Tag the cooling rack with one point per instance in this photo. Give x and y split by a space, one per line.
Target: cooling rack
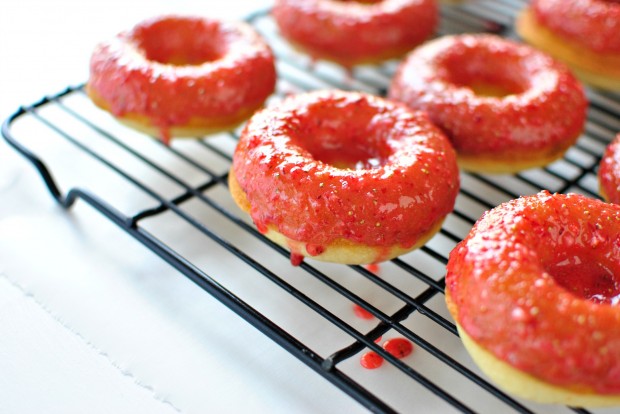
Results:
159 194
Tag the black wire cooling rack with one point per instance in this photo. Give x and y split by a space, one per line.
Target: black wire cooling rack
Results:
161 194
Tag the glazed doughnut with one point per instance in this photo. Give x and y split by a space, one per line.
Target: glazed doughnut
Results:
541 318
355 32
182 76
503 105
585 34
609 172
344 177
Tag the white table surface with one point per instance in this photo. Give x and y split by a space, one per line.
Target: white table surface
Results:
84 328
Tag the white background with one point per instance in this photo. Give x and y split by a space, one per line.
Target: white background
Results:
82 329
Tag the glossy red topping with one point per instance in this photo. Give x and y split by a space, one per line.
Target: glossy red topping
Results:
537 284
454 79
331 165
362 313
371 360
609 172
594 24
373 267
352 32
173 69
398 347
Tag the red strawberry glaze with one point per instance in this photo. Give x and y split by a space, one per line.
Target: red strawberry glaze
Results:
593 24
362 313
609 172
332 165
398 347
536 283
521 123
371 360
175 71
373 267
353 32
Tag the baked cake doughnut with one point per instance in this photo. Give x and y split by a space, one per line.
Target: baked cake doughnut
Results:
355 32
541 318
503 105
609 172
344 177
583 33
182 76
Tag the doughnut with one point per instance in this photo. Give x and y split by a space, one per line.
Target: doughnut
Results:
355 32
609 172
585 34
503 105
180 76
344 177
534 289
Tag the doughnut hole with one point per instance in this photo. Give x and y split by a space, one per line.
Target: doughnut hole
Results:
356 138
586 276
180 41
480 70
578 252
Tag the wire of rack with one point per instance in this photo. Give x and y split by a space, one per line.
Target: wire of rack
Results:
576 172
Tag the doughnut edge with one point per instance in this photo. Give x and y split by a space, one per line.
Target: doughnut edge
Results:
502 166
196 128
342 251
542 38
521 384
